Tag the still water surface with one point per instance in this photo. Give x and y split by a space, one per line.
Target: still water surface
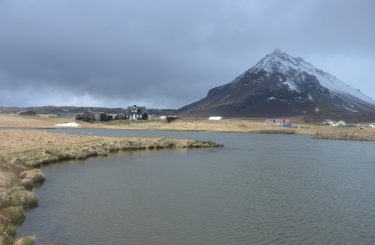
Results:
258 189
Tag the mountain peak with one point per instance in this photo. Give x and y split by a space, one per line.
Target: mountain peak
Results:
279 61
280 84
277 51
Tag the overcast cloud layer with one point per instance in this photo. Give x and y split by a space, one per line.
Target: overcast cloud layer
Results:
169 53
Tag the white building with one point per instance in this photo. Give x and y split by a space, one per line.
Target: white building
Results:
217 118
339 124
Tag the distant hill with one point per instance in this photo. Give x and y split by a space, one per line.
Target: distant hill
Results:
67 110
282 85
58 109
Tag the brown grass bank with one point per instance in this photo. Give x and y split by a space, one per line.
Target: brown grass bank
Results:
23 152
365 134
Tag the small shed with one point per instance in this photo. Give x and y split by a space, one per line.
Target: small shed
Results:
137 113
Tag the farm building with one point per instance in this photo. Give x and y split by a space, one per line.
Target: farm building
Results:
328 122
90 116
100 116
26 113
331 123
137 113
123 116
86 116
132 113
112 116
286 123
168 118
339 124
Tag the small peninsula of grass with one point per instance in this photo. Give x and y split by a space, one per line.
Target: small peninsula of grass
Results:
347 134
276 131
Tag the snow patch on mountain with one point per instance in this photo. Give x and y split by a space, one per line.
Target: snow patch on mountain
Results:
349 109
292 86
281 62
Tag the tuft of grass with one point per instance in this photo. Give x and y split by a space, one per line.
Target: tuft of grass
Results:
276 131
27 240
14 215
10 230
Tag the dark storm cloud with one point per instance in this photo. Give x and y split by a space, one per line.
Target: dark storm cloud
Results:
168 53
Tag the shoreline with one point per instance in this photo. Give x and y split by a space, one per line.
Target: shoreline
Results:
363 133
245 126
22 153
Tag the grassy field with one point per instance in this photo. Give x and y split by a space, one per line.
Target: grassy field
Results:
14 121
227 125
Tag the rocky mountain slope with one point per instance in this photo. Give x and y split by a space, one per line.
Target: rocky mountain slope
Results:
282 85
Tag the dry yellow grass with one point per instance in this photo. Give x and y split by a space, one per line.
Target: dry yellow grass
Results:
364 134
14 121
226 125
229 125
18 141
243 125
235 125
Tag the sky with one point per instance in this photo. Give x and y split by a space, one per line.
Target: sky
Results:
169 53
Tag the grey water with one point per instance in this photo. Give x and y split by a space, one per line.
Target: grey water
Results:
257 189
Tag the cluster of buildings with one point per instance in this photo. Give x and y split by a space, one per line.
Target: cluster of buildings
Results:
331 123
284 123
131 113
342 123
140 113
26 113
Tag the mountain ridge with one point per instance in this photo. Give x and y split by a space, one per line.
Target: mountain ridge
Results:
282 85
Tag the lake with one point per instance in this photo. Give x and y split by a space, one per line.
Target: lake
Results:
258 189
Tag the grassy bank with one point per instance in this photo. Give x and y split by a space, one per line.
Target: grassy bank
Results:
347 134
22 153
277 131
